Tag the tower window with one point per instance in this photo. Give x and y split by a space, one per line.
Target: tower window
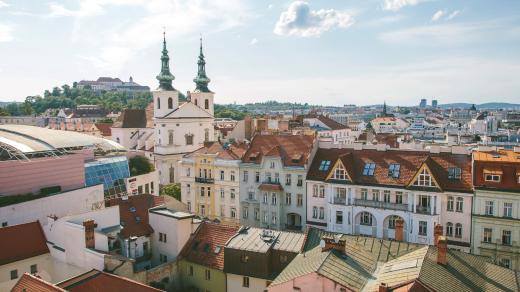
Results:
196 103
170 103
158 103
206 104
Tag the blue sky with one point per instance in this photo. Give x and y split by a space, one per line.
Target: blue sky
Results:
320 52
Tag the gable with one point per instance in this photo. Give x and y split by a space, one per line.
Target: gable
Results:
188 111
424 178
337 170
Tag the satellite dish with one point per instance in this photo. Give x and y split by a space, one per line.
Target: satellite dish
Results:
322 243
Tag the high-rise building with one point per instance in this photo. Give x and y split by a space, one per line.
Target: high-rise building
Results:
423 103
435 103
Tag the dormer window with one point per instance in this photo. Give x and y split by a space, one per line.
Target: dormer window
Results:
424 179
454 173
340 173
393 170
493 175
369 169
324 165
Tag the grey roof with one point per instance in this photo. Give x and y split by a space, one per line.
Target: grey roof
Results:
29 139
261 240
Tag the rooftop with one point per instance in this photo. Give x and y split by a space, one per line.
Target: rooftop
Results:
171 213
21 242
500 155
30 283
100 281
261 240
283 146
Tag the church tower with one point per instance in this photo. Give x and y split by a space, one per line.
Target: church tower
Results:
165 97
202 96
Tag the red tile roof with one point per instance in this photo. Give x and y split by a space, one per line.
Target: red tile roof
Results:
332 124
23 241
30 283
104 128
133 213
232 152
285 146
503 162
201 248
100 281
409 161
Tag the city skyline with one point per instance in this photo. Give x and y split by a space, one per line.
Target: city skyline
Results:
319 52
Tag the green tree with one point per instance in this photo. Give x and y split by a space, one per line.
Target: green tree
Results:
139 165
172 190
3 112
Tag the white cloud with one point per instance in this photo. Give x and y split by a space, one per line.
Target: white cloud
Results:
438 15
395 5
6 33
3 4
453 15
253 41
300 20
269 6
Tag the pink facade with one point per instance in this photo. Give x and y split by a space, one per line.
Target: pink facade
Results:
21 177
312 282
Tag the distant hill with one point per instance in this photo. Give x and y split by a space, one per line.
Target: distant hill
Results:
488 105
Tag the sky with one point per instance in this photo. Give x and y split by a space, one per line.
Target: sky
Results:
320 52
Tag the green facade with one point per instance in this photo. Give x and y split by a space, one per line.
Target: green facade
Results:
197 281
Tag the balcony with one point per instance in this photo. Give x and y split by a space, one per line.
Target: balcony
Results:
204 180
340 200
423 209
381 205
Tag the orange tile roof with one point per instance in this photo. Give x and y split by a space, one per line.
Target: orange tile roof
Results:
100 281
23 241
133 213
233 152
288 146
30 283
104 128
497 156
200 249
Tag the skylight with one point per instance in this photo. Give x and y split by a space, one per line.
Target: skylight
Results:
369 169
324 165
393 170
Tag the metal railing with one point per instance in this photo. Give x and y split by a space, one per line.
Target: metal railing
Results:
381 205
340 201
423 209
204 180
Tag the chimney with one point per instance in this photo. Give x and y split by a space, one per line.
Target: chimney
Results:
89 225
334 242
399 229
442 249
437 232
383 287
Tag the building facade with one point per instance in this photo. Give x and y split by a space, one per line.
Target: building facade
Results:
272 181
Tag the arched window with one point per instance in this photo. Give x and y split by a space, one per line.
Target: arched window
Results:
458 230
158 103
315 212
366 218
460 204
170 103
449 229
391 221
206 104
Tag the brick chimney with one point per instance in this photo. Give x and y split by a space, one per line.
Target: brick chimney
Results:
332 242
89 225
437 232
442 249
383 287
399 229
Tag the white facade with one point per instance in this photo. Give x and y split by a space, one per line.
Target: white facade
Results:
235 283
147 183
131 138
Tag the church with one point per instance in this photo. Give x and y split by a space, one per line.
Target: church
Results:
180 127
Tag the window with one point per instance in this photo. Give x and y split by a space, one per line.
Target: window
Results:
340 173
202 191
206 104
339 217
300 180
366 219
265 199
386 196
314 212
449 229
424 179
191 271
288 178
189 206
163 258
222 211
273 218
315 190
460 204
458 230
233 213
508 210
257 214
505 262
232 194
277 177
188 171
14 274
273 199
244 258
158 103
299 200
451 202
488 233
222 195
162 237
288 199
506 237
392 220
364 194
423 228
489 208
322 213
170 103
322 191
283 259
207 275
272 165
246 175
251 196
393 170
170 137
454 173
34 269
369 169
222 175
232 176
245 282
375 195
189 139
398 197
257 177
324 165
492 177
268 177
202 210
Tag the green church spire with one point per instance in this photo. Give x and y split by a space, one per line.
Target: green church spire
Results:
201 80
165 77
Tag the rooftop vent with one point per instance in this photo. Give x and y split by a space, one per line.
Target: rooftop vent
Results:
267 235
